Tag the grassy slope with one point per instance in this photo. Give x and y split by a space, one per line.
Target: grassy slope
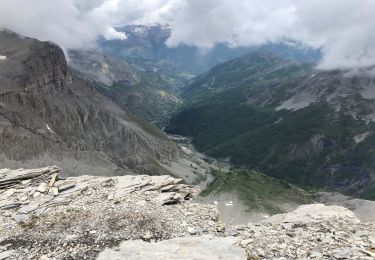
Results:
257 191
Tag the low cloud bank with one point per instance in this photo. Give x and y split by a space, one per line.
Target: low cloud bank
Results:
343 29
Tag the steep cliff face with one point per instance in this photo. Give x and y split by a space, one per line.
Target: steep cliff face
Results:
48 114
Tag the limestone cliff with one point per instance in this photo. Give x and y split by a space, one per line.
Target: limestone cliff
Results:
48 115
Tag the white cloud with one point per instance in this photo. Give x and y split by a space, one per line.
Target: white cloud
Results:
70 23
207 22
112 34
344 29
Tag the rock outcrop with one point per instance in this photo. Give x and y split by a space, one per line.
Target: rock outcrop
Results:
77 217
45 216
311 232
50 116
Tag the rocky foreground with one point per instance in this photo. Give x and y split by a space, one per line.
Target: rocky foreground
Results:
44 216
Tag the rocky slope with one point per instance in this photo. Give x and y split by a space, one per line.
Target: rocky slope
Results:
48 114
44 216
285 119
148 94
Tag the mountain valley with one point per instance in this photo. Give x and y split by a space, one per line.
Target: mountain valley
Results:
177 147
285 119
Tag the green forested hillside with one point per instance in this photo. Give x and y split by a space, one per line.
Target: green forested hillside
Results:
235 117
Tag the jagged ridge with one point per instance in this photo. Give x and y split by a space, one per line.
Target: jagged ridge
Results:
47 114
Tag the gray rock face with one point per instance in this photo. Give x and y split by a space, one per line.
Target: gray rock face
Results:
47 115
100 67
150 95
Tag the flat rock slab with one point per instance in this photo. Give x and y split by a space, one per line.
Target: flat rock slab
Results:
314 213
6 254
197 248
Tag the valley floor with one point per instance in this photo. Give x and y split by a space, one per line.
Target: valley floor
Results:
244 196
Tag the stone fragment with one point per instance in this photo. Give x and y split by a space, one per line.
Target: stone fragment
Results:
66 187
20 218
10 205
23 198
192 231
54 191
36 194
9 193
316 255
148 236
168 198
245 242
53 180
111 196
70 237
28 208
368 253
43 187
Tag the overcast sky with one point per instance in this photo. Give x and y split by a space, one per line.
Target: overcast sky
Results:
344 29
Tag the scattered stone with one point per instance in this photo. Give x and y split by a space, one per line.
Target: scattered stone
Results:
88 214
